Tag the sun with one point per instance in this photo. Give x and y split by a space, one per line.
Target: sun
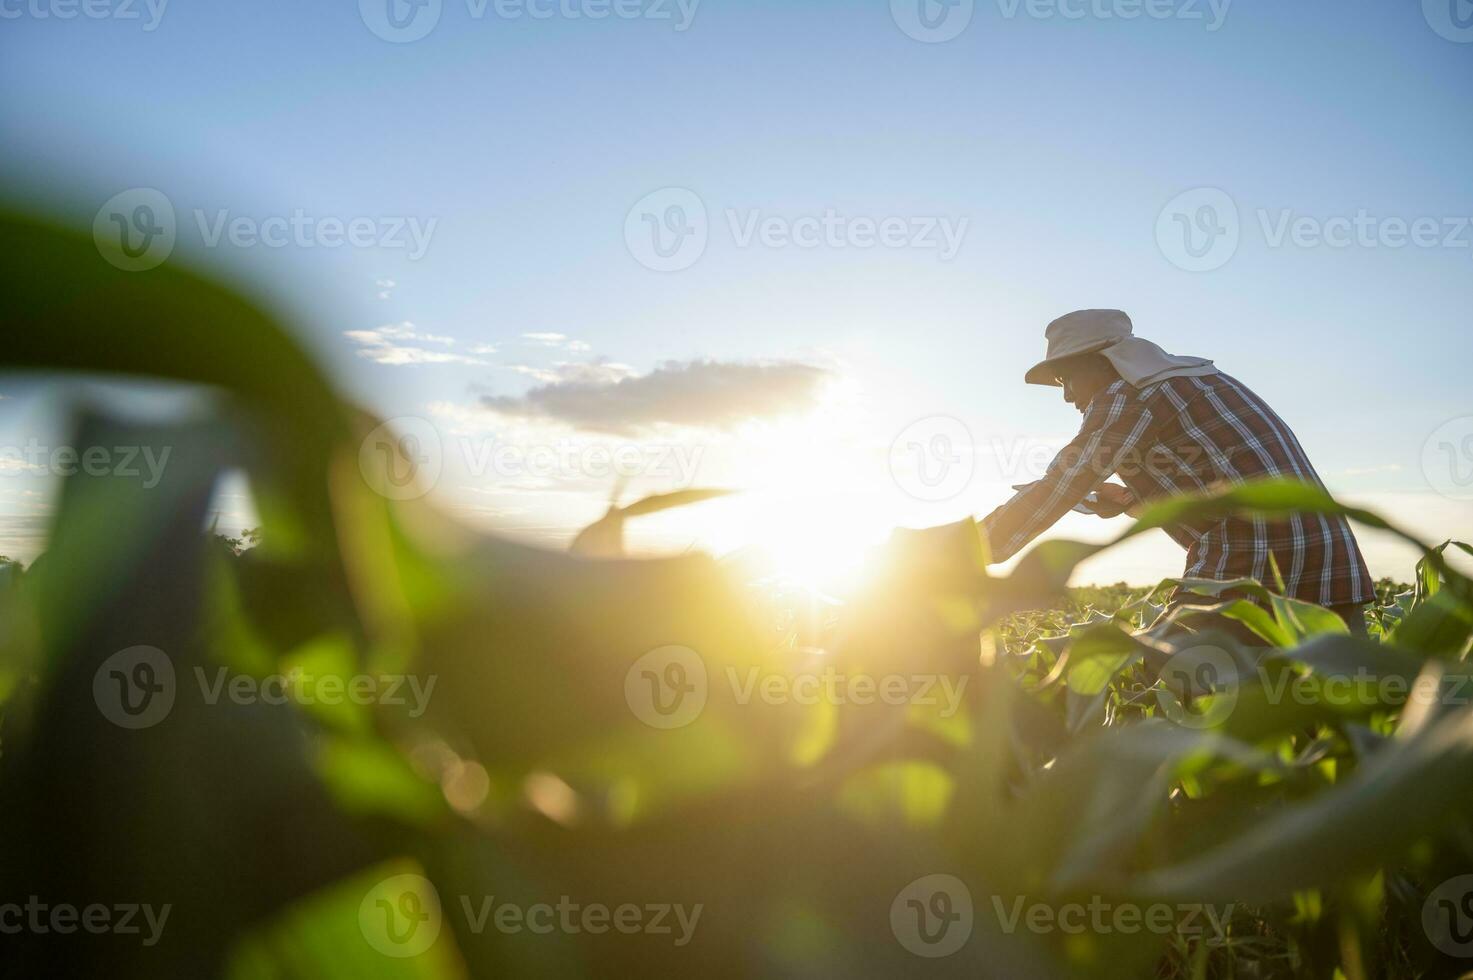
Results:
823 544
816 496
820 541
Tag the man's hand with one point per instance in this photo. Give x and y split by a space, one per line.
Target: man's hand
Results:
1114 500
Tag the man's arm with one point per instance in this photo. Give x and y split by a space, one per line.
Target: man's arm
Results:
1115 423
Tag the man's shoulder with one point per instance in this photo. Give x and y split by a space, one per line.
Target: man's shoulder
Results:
1117 396
1118 390
1191 386
1121 393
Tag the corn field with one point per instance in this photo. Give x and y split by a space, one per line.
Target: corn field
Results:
582 764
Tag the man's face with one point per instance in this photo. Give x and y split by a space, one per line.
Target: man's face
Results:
1084 377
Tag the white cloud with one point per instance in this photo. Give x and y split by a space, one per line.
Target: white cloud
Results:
461 419
398 331
558 340
11 465
597 372
400 344
607 397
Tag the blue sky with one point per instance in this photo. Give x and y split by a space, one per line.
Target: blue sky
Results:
1051 135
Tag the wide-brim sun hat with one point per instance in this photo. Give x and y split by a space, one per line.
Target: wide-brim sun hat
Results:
1110 333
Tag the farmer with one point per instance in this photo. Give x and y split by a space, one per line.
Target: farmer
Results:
1167 425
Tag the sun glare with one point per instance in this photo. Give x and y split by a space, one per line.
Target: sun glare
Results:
822 544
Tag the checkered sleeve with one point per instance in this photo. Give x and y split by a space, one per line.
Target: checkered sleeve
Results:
1115 424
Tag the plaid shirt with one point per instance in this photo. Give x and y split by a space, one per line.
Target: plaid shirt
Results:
1185 435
